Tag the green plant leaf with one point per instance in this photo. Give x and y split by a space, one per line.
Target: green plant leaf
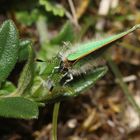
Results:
56 9
23 50
76 87
27 18
66 34
26 77
7 88
8 48
18 107
81 84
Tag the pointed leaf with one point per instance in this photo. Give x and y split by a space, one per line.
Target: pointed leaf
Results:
76 87
80 85
23 50
26 77
65 34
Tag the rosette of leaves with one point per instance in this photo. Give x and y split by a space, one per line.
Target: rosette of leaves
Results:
23 100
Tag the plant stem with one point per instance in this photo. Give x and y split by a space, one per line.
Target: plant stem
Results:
54 122
72 7
123 85
41 26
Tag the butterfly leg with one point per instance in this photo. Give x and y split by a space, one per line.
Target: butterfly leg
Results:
70 78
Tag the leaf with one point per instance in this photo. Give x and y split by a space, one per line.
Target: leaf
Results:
27 18
24 50
8 48
18 107
7 88
66 34
81 84
45 68
76 87
56 9
26 76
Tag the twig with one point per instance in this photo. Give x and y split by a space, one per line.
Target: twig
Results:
75 20
42 29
